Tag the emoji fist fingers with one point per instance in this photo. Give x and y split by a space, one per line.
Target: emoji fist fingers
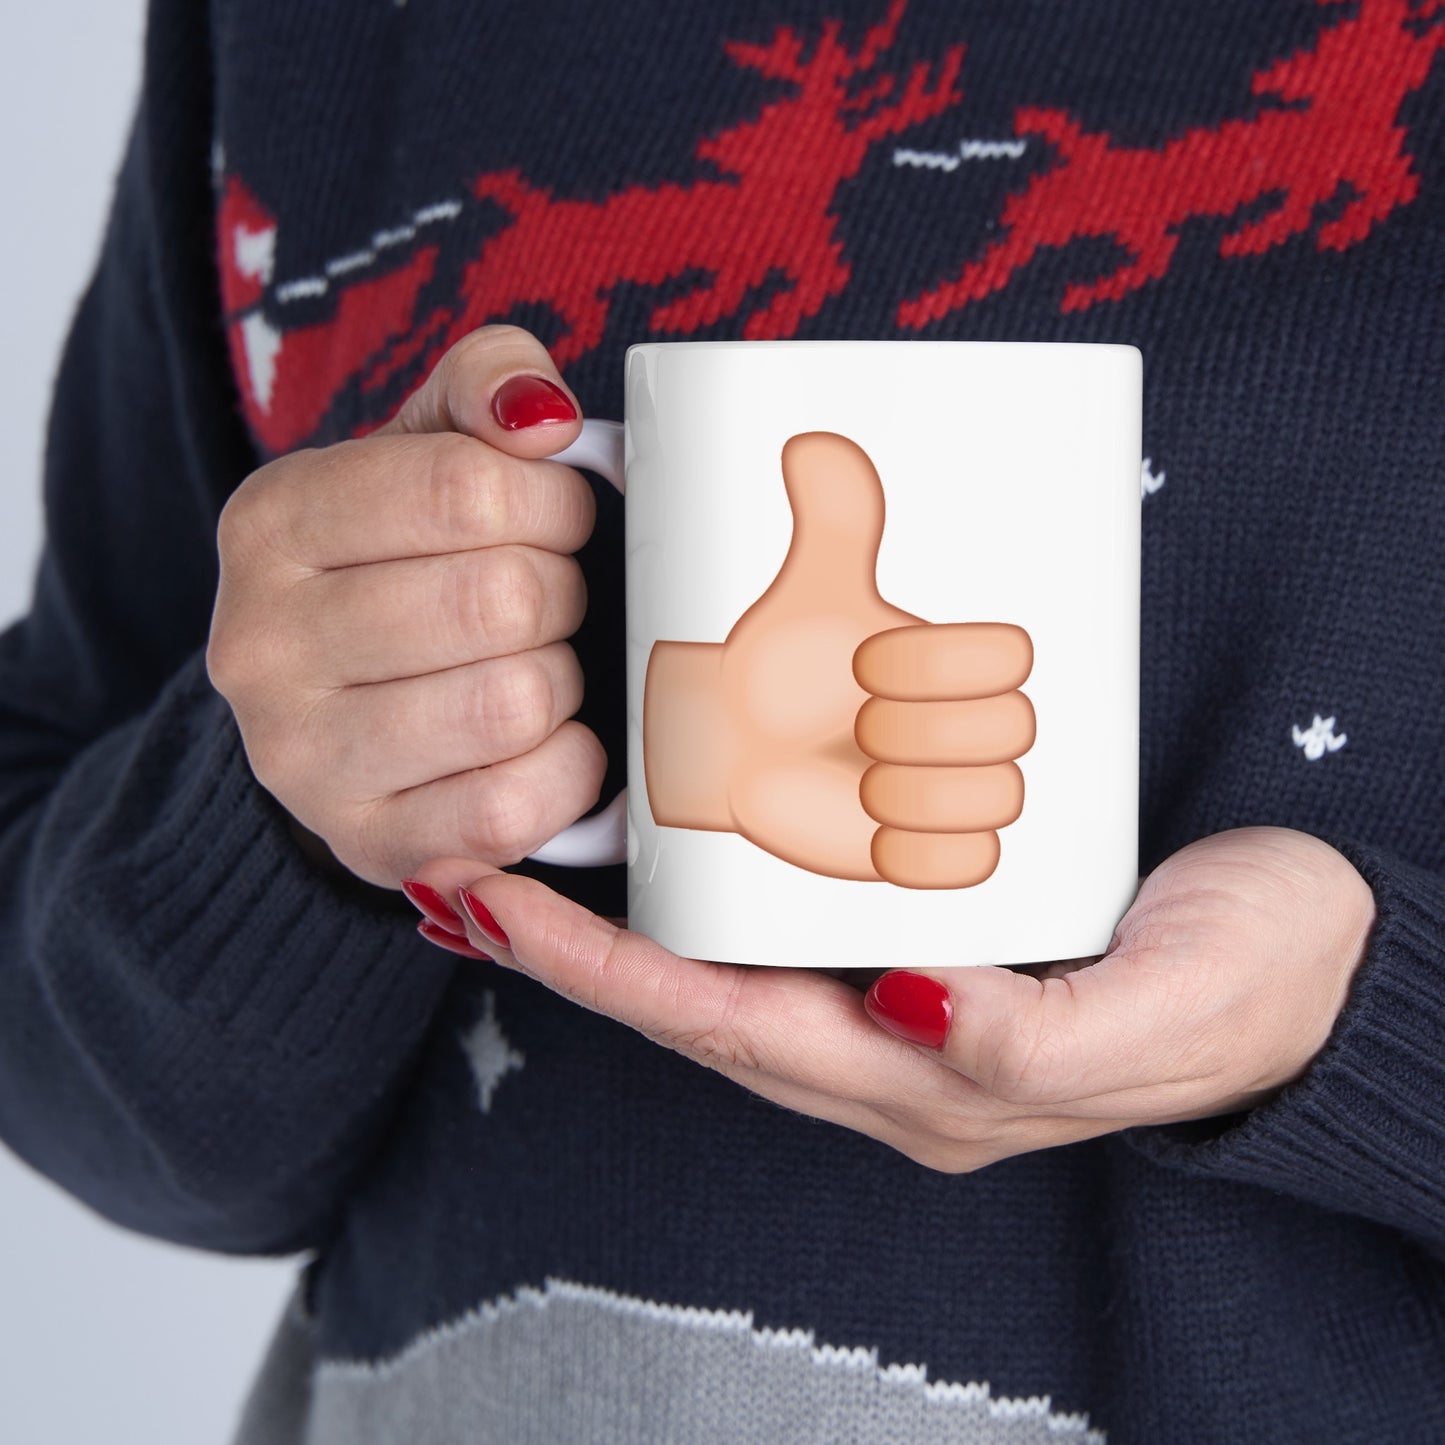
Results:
939 823
975 732
944 662
944 722
934 860
942 799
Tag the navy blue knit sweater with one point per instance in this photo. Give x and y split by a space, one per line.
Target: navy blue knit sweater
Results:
529 1223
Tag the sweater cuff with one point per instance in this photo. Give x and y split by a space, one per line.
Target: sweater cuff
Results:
227 918
1363 1130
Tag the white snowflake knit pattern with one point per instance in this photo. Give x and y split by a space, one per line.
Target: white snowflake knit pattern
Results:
1319 738
489 1052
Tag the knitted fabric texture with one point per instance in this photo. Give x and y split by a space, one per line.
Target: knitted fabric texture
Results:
525 1221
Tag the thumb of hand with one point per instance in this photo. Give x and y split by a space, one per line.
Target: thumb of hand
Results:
837 502
500 386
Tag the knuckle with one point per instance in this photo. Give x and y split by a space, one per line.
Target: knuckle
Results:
223 657
459 360
367 843
563 674
451 488
948 1156
462 604
511 606
593 761
498 336
513 708
474 492
269 755
332 739
715 1049
233 525
256 514
953 1132
253 649
582 761
241 522
491 603
716 1043
467 367
960 1139
503 818
572 595
1021 1062
942 1157
503 812
292 753
234 661
595 988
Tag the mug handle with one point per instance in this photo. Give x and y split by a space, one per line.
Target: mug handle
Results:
602 838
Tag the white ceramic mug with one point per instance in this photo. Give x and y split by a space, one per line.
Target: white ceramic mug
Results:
882 650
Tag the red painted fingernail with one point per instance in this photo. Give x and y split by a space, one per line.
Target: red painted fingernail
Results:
434 906
451 942
481 915
913 1007
524 401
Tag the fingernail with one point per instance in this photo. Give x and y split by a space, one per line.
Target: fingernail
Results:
523 401
481 916
451 942
434 906
914 1008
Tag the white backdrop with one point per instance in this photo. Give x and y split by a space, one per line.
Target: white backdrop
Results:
104 1336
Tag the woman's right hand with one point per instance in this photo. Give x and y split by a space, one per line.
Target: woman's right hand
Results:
390 622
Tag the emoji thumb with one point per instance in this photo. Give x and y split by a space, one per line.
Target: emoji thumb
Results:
837 501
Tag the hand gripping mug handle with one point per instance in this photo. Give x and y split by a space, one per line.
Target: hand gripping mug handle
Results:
602 838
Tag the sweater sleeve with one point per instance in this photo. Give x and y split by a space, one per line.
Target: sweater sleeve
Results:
201 1037
1362 1132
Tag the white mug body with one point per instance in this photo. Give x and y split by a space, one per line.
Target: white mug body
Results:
1010 475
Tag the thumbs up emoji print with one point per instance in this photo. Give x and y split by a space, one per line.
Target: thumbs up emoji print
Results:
832 729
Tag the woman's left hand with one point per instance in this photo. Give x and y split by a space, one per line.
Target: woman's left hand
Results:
1222 982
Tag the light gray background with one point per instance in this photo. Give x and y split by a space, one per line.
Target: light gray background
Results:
104 1336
